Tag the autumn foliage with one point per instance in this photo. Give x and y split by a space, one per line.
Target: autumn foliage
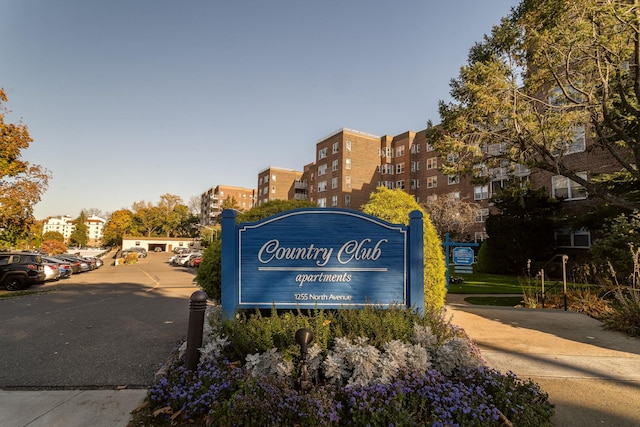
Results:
21 183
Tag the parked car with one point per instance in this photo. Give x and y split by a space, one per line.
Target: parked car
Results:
181 250
78 265
196 262
51 271
19 270
64 267
192 258
142 252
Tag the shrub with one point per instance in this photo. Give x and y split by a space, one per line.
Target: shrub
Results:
619 234
394 206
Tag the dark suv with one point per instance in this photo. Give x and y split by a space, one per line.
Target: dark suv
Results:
19 270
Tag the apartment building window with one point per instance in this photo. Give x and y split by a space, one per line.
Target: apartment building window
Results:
334 147
453 179
334 182
415 148
400 151
347 163
259 181
415 184
481 192
322 202
347 200
322 153
266 179
454 196
386 152
322 186
388 184
452 158
415 166
480 170
265 190
348 145
334 165
347 181
334 201
400 184
273 189
322 169
567 238
481 214
400 168
432 181
432 163
430 147
386 168
576 145
566 189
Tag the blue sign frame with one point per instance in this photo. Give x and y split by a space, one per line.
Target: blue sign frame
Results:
321 258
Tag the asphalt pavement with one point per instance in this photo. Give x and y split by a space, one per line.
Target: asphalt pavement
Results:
84 351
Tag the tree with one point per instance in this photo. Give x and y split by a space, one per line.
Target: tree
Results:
53 235
54 247
547 72
173 214
395 206
522 230
147 219
120 223
21 183
452 216
80 235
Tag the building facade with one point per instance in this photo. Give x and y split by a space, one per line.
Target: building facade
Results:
65 225
280 184
216 198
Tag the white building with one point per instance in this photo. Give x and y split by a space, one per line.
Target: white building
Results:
65 225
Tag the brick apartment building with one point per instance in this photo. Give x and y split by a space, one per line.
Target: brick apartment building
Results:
280 184
350 164
212 201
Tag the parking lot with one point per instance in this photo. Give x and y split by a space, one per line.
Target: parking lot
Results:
110 327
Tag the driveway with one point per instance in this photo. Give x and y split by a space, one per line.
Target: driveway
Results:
111 327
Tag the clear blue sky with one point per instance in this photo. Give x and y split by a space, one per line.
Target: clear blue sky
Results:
127 100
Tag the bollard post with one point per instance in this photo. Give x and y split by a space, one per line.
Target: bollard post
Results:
197 308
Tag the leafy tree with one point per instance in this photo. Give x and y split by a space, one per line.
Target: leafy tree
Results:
548 70
521 231
21 183
452 216
230 203
120 223
53 235
54 247
80 235
209 273
173 214
395 206
621 236
147 219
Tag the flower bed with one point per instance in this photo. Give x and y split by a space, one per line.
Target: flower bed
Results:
429 374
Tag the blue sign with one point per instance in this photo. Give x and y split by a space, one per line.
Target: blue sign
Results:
317 257
463 256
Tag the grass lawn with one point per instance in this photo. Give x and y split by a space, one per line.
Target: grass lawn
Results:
482 283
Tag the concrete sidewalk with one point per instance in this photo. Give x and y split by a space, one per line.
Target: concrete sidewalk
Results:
592 375
68 408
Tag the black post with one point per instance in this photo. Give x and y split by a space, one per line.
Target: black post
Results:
197 307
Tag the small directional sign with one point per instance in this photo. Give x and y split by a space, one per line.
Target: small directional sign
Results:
463 255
